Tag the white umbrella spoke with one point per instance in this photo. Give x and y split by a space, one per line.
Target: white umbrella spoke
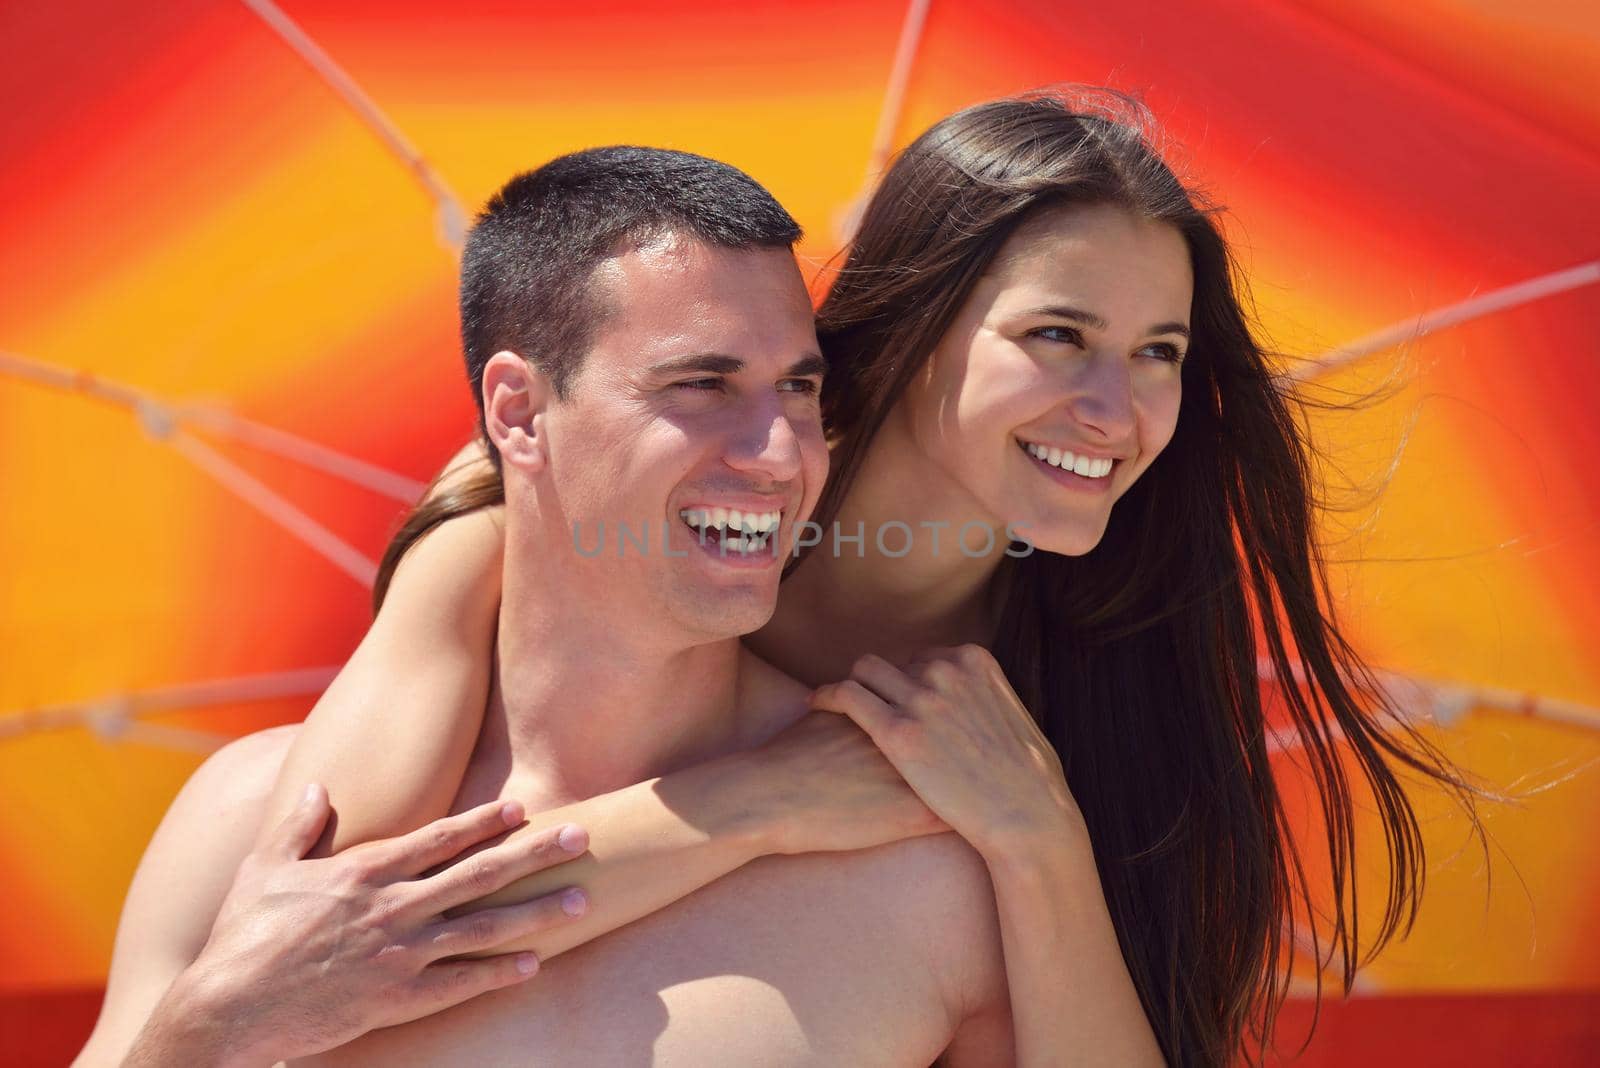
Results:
449 217
1547 285
119 716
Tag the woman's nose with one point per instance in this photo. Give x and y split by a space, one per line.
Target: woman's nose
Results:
1101 397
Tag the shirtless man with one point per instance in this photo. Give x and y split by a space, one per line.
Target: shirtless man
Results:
693 390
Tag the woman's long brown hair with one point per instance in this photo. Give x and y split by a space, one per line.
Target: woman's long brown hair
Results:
1141 659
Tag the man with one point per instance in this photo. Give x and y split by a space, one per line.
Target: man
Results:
642 349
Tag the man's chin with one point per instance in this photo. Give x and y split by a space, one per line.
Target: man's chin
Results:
728 609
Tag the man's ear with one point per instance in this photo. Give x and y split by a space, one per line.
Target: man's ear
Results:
515 398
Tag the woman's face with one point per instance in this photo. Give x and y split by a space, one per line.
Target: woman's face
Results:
1058 383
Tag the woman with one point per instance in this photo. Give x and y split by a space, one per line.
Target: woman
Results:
1036 326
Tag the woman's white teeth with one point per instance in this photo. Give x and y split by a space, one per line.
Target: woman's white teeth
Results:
1078 465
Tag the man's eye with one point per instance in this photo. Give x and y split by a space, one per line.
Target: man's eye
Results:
702 384
801 385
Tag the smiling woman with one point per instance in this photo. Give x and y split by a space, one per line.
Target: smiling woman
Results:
1053 350
1030 277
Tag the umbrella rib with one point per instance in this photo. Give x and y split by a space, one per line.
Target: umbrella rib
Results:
275 507
224 424
1511 296
164 736
309 453
112 715
894 96
449 216
1442 704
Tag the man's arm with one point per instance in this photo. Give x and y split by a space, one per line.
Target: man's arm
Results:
305 954
180 884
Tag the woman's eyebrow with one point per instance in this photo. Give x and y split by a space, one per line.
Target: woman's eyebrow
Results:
1090 319
1077 315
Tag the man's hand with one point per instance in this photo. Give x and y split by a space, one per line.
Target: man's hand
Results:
306 955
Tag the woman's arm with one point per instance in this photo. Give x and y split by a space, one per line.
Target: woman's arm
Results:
820 785
955 729
391 737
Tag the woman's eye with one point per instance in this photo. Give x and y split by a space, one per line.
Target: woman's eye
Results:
1169 353
801 385
1057 333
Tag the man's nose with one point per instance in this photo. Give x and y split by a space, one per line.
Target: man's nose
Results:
765 443
1100 396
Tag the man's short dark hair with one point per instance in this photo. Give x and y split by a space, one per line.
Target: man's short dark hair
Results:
526 271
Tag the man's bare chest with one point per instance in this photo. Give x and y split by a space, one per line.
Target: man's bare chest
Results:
789 961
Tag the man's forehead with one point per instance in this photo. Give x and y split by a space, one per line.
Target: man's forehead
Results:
670 294
674 261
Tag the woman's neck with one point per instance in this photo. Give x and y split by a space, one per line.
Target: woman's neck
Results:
847 597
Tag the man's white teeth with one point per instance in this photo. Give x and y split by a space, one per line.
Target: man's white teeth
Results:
743 532
1078 465
745 543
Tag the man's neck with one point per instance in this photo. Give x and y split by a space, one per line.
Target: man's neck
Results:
588 700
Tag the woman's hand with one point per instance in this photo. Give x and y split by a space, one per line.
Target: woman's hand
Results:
955 730
823 786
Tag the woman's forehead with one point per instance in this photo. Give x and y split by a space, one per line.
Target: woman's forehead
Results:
1101 251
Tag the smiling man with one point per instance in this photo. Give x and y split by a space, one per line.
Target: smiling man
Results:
692 410
677 380
640 341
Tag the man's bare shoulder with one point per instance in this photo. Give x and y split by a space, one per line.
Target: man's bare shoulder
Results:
243 772
217 815
181 881
939 896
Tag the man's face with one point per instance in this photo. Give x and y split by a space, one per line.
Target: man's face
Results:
698 399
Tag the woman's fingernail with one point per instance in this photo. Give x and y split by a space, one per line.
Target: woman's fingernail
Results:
511 813
574 902
527 963
573 839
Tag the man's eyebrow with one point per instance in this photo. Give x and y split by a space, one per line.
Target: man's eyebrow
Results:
811 364
1090 319
716 363
709 362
